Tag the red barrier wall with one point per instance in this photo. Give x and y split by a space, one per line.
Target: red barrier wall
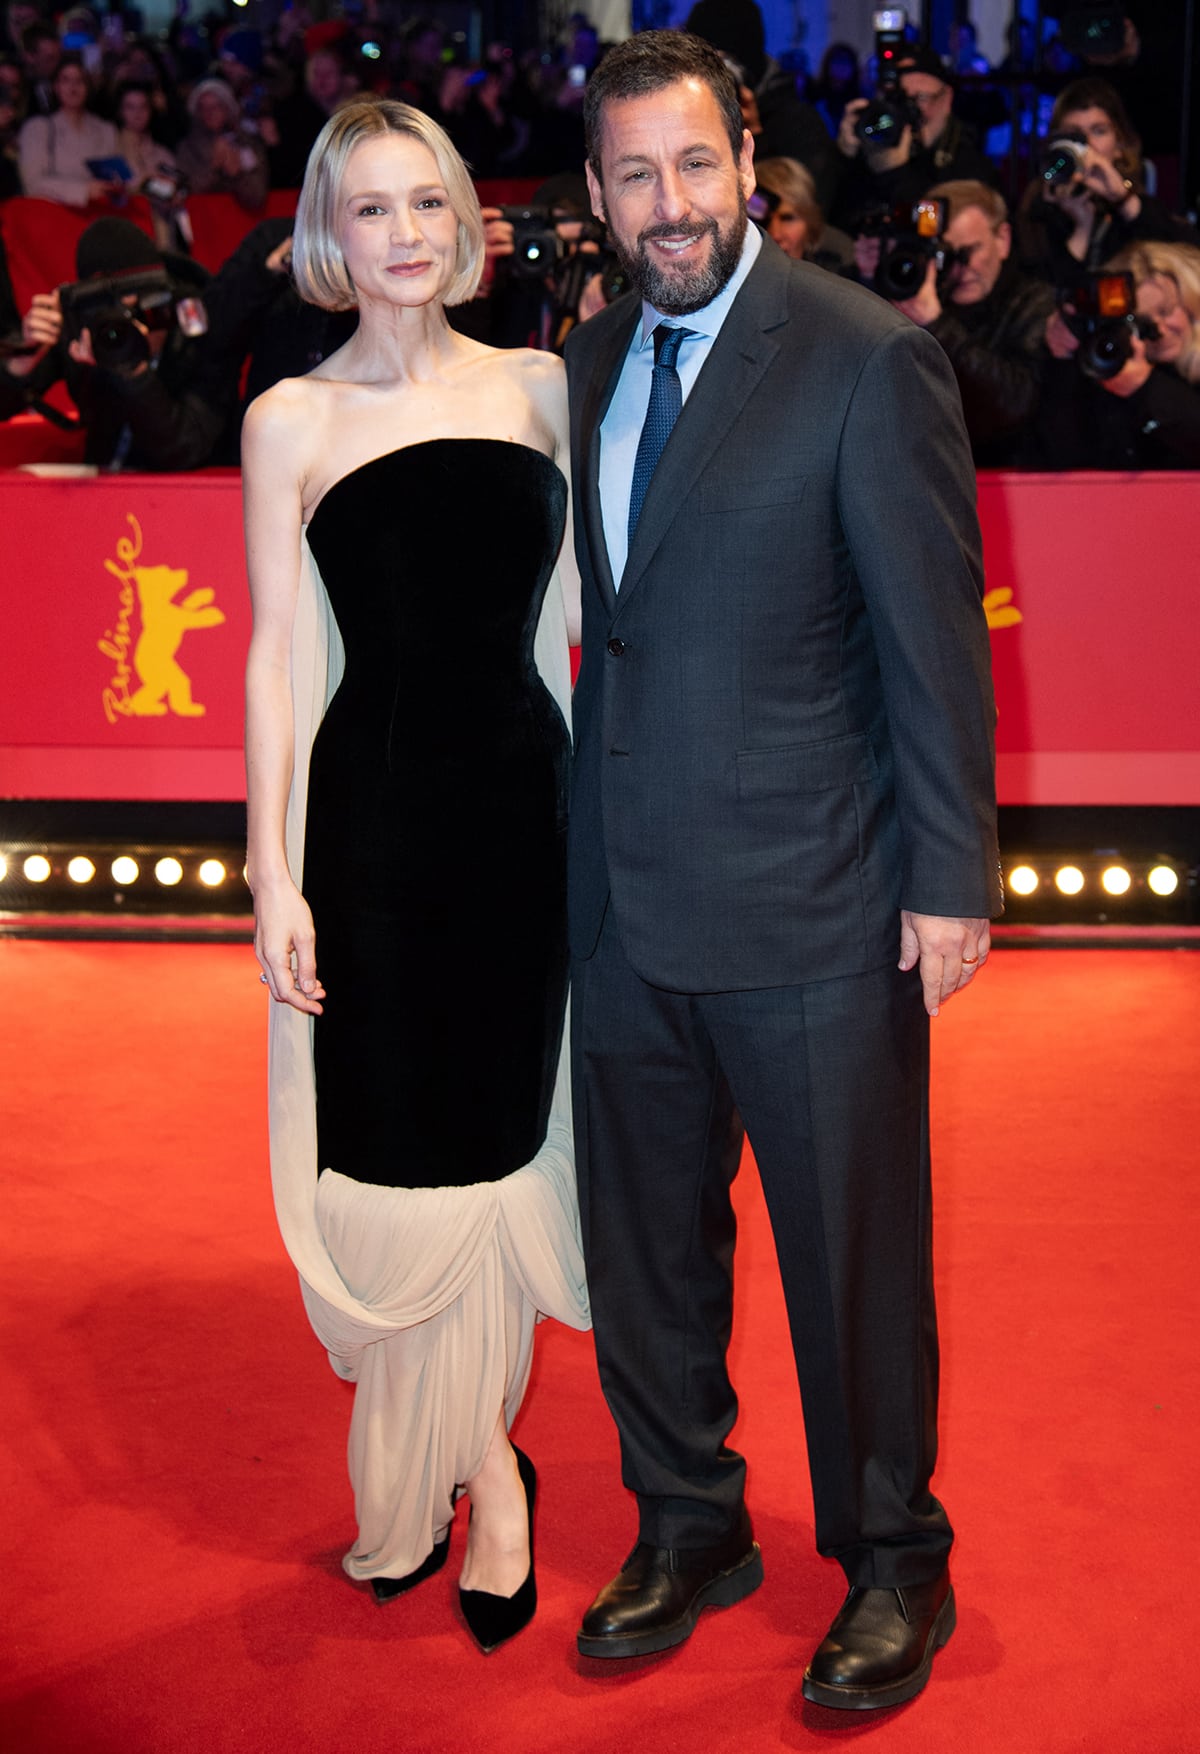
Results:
128 619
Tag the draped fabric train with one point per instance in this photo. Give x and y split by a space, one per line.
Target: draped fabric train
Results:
436 1291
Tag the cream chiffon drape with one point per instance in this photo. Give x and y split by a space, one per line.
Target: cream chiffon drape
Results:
425 1298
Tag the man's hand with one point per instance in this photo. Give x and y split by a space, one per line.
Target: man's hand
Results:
497 242
41 327
1059 339
950 953
848 142
925 306
280 259
42 323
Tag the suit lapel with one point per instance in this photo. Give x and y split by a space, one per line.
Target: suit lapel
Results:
598 393
739 358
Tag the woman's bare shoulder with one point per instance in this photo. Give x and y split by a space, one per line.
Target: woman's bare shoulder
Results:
543 378
290 417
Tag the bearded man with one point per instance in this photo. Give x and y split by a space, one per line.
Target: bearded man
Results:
783 861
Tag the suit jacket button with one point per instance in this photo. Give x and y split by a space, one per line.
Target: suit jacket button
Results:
616 648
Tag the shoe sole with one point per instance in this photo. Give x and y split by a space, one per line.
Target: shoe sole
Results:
895 1692
721 1591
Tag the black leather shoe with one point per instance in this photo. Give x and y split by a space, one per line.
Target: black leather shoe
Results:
881 1646
388 1588
493 1620
656 1599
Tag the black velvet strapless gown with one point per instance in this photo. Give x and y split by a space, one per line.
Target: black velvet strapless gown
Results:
434 858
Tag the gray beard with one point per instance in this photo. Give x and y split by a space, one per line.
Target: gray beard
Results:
685 289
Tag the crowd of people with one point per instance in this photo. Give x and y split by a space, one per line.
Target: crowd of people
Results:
1012 288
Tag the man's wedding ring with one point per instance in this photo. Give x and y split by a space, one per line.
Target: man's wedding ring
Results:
967 962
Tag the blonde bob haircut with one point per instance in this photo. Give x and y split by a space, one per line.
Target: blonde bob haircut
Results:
318 266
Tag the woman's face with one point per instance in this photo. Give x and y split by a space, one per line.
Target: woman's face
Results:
789 228
1097 129
135 112
397 230
1158 298
212 113
71 88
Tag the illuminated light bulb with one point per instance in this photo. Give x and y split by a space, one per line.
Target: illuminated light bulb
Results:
81 870
1162 880
36 868
1116 880
3 867
1023 880
168 871
1069 879
124 869
211 873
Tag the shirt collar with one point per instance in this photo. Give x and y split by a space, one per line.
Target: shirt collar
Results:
708 319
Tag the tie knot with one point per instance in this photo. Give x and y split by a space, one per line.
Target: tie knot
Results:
668 339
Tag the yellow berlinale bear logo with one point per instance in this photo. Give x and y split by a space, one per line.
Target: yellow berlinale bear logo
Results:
148 680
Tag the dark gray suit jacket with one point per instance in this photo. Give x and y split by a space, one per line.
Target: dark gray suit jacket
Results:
784 721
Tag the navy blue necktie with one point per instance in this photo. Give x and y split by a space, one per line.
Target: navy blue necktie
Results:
666 399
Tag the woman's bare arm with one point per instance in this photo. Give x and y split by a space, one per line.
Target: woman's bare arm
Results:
276 439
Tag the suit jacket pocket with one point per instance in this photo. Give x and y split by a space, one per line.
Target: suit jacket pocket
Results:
806 767
754 493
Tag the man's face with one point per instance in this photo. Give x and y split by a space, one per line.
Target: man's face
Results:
673 194
971 229
43 58
933 98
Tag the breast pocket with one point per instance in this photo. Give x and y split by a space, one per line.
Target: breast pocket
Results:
782 493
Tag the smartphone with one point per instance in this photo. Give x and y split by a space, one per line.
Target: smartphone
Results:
890 18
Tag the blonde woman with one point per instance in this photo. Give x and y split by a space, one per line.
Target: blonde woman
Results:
405 510
1167 280
794 218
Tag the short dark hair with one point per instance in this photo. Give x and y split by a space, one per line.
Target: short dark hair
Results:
648 62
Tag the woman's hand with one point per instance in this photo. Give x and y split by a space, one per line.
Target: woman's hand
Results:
285 944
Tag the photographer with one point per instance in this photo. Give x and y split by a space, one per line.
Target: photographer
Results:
928 144
783 125
1088 199
989 318
1116 396
546 270
149 397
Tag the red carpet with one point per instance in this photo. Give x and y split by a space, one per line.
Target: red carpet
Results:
173 1441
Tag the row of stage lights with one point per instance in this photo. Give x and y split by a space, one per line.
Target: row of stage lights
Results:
113 879
108 878
124 870
1115 880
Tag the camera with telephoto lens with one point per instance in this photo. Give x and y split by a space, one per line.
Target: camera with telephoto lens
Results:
118 309
1062 159
882 122
1101 312
910 239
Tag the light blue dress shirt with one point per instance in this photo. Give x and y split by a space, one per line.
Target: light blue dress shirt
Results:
622 425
